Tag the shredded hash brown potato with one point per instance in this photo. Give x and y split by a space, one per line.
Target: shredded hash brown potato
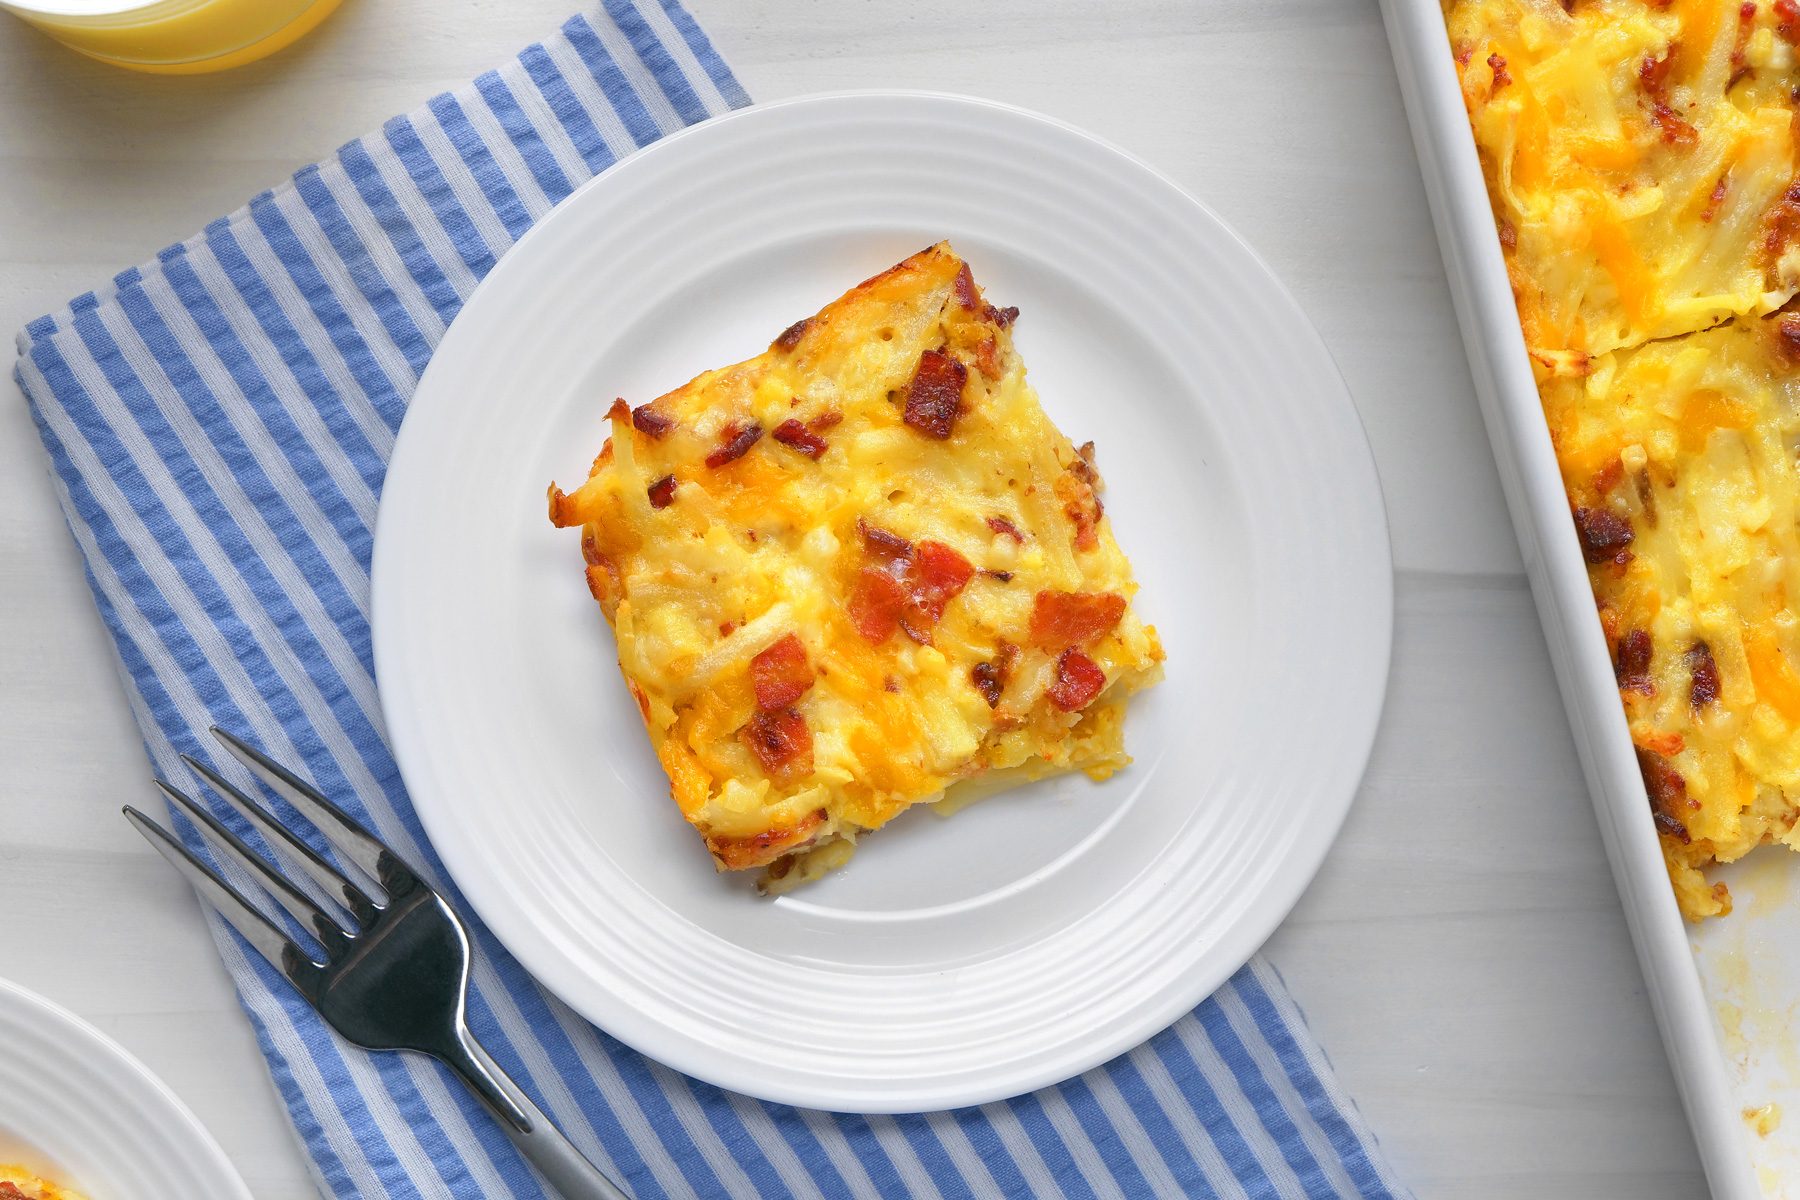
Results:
857 569
1641 159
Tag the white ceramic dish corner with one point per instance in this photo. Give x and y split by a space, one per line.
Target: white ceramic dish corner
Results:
76 1107
1042 931
1723 992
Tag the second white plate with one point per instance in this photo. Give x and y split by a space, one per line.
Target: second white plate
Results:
77 1109
1040 932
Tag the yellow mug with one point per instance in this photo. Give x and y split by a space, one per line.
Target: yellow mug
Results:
174 37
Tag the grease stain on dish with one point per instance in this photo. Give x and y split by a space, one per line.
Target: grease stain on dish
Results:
1753 999
1765 1119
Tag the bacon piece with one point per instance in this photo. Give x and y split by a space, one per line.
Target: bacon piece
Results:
964 288
1746 24
1509 235
1073 618
1675 131
1080 505
1653 74
876 601
1083 466
990 677
1005 528
825 420
1078 680
934 398
878 543
907 587
935 577
793 434
735 441
649 422
1632 669
737 853
1705 674
1787 20
1714 199
1464 52
1003 317
781 674
790 337
987 357
662 492
986 677
1497 64
1787 332
1783 220
1646 495
1604 535
1002 576
1667 791
940 573
781 742
1607 477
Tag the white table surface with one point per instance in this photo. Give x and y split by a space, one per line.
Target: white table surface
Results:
1462 956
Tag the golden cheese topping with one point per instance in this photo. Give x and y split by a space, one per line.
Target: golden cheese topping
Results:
857 569
1635 154
1679 456
1641 161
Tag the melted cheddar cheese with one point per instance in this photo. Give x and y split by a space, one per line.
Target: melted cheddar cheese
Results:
1641 159
1635 153
853 571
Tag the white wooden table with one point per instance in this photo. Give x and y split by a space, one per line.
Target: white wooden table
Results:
1462 956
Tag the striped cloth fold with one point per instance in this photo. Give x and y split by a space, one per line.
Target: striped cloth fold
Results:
218 422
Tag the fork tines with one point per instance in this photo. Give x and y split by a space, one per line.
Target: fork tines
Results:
346 835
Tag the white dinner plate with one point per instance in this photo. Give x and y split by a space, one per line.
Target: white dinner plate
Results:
77 1109
1040 932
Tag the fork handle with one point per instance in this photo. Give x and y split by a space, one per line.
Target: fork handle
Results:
536 1137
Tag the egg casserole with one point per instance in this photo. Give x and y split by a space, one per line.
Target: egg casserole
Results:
857 570
1641 160
16 1183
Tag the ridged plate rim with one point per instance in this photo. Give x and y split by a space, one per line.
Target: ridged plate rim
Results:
78 1099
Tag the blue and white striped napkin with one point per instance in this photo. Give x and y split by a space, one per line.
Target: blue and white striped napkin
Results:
218 422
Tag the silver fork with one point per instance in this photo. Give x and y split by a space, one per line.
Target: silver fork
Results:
395 977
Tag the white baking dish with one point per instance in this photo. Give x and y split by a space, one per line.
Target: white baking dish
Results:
1726 992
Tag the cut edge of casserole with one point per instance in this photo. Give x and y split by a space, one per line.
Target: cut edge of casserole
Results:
1643 160
857 572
